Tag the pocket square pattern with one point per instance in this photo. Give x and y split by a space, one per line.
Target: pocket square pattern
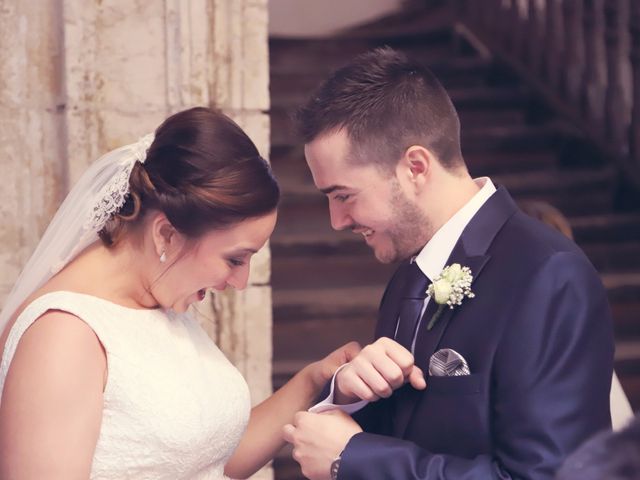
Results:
448 363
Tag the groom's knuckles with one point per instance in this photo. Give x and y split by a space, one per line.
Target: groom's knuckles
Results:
380 386
391 372
401 357
358 388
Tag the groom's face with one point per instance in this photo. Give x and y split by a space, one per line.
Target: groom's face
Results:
365 200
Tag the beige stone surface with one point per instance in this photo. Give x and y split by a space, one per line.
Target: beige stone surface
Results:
80 78
240 40
32 149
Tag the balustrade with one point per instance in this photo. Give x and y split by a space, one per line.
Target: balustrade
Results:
581 52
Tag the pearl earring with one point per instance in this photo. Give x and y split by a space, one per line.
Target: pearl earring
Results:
163 257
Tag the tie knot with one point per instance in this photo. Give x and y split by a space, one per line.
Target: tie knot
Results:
416 282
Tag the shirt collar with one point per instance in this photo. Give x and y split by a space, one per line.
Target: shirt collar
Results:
433 256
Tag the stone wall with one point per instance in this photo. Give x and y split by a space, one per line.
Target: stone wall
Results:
79 78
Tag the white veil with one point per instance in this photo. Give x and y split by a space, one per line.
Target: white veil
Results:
100 192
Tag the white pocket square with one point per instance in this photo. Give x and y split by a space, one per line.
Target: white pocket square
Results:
448 363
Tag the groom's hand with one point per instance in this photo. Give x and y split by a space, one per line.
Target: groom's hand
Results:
323 370
318 438
378 370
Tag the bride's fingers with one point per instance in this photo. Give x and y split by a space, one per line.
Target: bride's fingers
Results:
351 349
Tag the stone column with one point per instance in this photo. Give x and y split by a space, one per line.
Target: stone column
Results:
32 145
79 78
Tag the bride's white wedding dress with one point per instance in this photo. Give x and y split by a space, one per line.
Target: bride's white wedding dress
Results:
174 406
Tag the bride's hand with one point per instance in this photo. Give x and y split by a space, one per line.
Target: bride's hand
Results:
322 371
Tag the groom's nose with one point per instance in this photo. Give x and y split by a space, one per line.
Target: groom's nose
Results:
340 218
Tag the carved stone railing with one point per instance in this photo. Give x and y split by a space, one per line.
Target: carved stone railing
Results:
582 55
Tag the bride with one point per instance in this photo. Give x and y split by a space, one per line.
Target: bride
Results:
104 374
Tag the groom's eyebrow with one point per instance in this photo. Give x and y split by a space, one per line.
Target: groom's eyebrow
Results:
332 188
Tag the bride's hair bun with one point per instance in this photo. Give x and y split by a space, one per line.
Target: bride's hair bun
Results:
203 172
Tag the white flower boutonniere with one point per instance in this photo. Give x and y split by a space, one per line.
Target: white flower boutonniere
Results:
450 288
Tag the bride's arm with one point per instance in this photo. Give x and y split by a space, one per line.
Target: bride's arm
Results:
263 437
52 401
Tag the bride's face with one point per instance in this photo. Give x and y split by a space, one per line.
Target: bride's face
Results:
220 258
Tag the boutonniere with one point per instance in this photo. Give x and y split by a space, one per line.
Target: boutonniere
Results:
449 289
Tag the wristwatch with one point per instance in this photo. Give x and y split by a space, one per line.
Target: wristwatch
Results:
335 466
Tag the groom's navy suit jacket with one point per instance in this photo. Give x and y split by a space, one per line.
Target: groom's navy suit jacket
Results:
538 341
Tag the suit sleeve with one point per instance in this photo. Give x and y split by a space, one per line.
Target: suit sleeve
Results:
550 386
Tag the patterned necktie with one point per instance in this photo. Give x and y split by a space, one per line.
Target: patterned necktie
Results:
415 292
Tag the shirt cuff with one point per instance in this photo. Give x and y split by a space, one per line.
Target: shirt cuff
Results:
327 403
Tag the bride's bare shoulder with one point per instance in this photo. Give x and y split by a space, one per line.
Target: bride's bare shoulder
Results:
55 333
58 345
53 391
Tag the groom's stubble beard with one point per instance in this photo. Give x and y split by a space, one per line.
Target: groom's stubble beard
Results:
409 231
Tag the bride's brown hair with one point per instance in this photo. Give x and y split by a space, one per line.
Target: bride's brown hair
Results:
203 172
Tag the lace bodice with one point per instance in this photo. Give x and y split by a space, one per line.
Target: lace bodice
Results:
174 406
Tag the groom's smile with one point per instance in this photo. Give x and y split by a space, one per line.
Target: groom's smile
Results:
365 199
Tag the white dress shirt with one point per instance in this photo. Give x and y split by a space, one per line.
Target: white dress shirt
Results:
431 260
434 255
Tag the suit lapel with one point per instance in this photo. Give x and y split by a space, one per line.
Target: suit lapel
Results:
470 251
390 305
428 340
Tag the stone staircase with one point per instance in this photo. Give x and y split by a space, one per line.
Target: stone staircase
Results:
327 284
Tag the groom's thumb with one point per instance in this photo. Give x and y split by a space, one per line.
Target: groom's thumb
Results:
416 378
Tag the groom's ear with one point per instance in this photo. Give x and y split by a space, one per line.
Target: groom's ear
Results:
417 164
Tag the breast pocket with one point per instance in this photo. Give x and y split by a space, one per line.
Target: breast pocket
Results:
463 384
452 416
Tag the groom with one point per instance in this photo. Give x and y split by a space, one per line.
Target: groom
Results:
518 371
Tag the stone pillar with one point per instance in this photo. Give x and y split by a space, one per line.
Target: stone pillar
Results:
32 145
80 78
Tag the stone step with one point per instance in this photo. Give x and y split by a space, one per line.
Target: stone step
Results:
320 56
465 97
622 287
325 271
627 319
557 181
619 227
627 367
456 72
609 257
414 17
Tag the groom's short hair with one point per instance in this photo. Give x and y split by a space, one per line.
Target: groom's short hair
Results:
386 103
